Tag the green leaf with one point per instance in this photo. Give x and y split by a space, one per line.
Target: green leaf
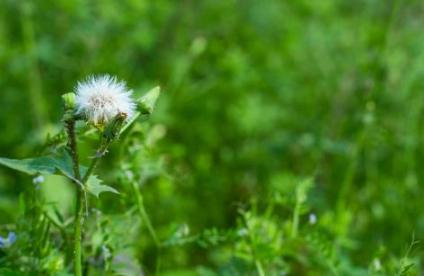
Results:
63 163
59 163
95 187
41 165
146 103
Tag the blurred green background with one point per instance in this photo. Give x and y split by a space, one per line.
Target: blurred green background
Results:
258 98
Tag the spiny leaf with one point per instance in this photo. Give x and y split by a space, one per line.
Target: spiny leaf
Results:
95 187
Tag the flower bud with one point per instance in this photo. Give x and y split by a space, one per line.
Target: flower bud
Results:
146 103
69 101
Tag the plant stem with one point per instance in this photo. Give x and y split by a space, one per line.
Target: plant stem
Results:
259 268
90 169
252 243
99 153
145 218
80 182
77 232
295 222
72 143
143 213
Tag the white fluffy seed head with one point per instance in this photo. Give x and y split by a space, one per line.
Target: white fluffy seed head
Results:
101 98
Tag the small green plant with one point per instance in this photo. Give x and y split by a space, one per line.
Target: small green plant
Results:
106 110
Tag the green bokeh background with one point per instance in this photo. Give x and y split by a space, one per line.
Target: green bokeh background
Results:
255 96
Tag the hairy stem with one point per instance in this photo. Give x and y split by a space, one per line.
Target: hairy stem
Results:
80 182
80 198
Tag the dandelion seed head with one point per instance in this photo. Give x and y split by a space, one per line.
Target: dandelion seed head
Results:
101 98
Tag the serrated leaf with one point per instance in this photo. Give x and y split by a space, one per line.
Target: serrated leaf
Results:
95 187
146 103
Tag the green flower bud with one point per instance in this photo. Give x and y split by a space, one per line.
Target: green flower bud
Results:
69 101
146 103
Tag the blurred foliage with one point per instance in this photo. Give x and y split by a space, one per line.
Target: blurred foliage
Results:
288 138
